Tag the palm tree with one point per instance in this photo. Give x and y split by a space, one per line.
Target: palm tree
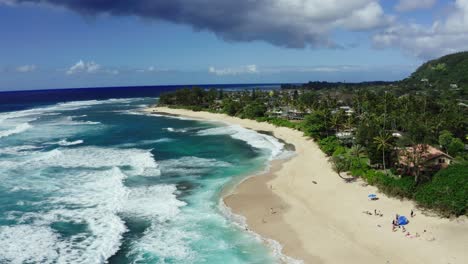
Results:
335 121
357 151
383 143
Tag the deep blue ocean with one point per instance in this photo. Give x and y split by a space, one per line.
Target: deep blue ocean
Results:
98 180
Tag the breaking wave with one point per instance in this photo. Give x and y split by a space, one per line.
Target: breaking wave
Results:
65 142
254 139
16 130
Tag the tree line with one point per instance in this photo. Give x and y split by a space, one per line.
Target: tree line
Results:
372 151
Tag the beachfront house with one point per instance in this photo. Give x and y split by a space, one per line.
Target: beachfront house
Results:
348 111
345 136
294 114
287 113
423 159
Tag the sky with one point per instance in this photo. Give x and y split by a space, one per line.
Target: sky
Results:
47 44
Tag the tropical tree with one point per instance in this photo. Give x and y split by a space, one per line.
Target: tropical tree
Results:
340 164
383 144
357 151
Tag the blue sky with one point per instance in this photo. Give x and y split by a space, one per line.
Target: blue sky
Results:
81 43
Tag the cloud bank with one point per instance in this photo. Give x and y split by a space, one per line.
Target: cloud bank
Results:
286 23
410 5
444 36
84 67
26 68
234 71
295 23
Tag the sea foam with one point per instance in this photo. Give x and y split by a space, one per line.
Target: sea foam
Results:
254 139
65 142
16 130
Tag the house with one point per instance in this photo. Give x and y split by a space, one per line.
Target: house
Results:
346 109
397 134
345 136
427 158
275 113
294 114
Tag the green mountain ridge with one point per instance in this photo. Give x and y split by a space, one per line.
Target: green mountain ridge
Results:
444 71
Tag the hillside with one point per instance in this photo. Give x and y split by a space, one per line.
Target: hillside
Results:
449 69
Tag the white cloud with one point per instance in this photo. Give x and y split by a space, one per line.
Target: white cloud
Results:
286 23
410 5
84 67
26 68
446 35
370 16
248 69
253 69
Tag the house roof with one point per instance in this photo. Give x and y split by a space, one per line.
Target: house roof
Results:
427 153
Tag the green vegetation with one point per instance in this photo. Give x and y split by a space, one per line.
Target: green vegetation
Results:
378 131
452 198
450 69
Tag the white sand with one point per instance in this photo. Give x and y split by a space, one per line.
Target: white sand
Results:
323 222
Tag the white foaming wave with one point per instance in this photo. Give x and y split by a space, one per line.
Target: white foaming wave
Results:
190 165
69 121
83 104
13 239
194 162
161 140
95 157
164 245
92 198
51 110
146 142
148 113
18 115
130 112
134 161
157 203
181 130
16 130
254 139
18 150
65 142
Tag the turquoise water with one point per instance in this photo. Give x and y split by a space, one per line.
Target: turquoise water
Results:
102 181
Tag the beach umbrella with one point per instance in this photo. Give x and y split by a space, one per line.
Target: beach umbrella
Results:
402 220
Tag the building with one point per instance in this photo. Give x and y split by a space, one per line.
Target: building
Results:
427 158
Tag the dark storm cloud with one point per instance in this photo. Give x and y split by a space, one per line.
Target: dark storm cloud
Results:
288 23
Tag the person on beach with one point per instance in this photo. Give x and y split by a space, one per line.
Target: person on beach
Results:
412 213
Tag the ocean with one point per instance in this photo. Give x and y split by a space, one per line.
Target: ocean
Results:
102 181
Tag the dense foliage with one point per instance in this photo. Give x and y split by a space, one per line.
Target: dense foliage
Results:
448 191
364 128
450 69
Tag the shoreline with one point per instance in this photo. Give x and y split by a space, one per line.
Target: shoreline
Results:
317 217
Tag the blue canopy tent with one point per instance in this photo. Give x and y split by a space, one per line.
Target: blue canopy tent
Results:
402 220
372 196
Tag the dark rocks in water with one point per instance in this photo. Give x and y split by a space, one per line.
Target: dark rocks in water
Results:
287 146
185 187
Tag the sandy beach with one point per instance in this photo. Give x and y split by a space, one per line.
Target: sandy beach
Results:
318 218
